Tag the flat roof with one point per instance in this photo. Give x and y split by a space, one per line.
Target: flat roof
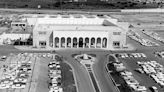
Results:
76 28
77 21
65 16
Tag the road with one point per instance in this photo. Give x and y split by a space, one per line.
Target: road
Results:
51 11
82 77
84 83
98 11
103 79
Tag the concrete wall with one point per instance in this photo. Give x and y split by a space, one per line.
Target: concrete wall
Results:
37 37
31 21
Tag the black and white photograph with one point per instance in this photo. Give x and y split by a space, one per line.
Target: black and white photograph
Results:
81 45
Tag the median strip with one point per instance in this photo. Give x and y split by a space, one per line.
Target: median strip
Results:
88 67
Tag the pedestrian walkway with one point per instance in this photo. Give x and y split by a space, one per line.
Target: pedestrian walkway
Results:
129 47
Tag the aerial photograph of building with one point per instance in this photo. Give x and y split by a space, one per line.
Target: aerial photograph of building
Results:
81 46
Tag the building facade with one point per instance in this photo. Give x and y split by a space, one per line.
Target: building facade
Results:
79 31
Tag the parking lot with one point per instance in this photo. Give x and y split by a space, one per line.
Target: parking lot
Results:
28 72
131 62
15 79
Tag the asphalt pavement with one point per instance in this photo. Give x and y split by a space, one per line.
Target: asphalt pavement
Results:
83 80
104 81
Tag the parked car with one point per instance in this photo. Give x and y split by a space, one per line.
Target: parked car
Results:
23 80
139 70
4 86
18 85
153 89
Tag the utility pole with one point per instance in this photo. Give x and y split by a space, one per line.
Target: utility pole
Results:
61 4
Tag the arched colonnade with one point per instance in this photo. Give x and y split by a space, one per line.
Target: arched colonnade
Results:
74 42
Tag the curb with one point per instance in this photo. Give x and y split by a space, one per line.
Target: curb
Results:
115 84
95 78
90 78
75 79
108 73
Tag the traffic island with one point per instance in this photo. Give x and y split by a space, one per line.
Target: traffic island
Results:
87 61
84 59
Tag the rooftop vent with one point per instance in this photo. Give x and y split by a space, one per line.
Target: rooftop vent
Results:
77 16
65 16
89 16
54 16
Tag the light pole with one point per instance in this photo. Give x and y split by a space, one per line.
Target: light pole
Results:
61 4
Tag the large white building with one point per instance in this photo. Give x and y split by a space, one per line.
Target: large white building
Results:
78 31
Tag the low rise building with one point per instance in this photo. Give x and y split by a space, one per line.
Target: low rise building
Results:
79 31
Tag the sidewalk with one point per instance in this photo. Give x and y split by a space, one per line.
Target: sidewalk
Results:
130 47
30 48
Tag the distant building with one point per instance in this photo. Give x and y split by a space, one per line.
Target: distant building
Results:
8 37
18 24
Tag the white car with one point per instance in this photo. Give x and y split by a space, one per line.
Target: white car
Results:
24 80
52 66
53 85
58 66
52 62
135 55
126 55
49 55
23 75
131 82
4 86
126 73
139 55
139 70
44 55
55 76
29 62
18 86
154 89
122 56
54 89
54 81
143 55
57 63
140 88
7 82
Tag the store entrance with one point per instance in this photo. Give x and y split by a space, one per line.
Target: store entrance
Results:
80 42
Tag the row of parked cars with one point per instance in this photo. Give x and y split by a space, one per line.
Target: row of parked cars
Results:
16 75
55 76
130 55
153 35
145 42
127 76
153 70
